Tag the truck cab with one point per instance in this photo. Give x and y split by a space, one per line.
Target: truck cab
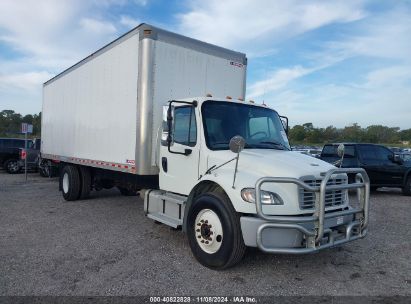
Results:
264 195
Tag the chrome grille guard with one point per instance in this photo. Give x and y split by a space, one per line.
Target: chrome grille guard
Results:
314 237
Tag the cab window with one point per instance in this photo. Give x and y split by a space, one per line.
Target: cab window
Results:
185 128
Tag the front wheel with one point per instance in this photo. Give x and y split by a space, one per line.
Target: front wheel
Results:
214 232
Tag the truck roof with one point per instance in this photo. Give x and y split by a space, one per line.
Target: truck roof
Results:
148 31
202 99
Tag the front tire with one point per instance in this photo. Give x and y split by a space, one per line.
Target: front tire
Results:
70 183
12 166
214 232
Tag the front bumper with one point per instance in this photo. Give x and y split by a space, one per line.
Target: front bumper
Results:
304 234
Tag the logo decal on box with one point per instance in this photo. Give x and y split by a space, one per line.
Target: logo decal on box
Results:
237 64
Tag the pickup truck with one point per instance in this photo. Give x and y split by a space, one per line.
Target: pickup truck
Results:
10 149
384 168
32 153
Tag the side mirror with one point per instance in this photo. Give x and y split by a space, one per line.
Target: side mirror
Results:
284 121
340 150
237 144
395 159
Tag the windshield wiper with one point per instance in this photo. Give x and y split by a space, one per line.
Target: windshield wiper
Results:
275 143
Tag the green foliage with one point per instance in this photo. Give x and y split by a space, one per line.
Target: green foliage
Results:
10 123
307 133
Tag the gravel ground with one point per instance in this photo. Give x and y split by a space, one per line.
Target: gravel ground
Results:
106 246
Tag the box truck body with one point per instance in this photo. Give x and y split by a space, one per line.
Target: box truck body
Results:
106 110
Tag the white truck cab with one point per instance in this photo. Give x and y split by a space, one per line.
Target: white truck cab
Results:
264 196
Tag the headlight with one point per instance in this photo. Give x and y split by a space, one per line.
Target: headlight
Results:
267 198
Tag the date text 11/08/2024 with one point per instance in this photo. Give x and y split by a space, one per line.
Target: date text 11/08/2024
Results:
187 299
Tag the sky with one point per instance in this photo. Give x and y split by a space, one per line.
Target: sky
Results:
326 62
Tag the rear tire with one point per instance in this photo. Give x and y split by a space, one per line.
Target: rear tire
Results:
70 183
85 177
214 233
12 166
45 168
407 187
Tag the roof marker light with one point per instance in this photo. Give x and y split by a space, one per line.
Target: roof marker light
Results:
240 99
209 95
228 97
252 101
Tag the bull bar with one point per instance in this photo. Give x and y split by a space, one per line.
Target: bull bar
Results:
314 237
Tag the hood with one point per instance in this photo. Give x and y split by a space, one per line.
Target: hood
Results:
270 162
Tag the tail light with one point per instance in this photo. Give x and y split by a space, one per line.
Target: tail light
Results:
23 154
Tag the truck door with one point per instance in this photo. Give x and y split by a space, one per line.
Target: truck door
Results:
179 163
392 173
369 161
380 169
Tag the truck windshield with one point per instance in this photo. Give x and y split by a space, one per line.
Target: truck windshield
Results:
260 127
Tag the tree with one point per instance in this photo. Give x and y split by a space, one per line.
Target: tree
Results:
10 123
297 133
352 133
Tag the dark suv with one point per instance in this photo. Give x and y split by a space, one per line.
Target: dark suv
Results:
384 168
10 149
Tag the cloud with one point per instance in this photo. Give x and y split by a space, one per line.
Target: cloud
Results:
98 27
40 38
277 80
385 36
377 48
233 23
381 98
26 81
129 22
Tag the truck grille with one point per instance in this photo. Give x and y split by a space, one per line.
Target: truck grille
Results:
332 198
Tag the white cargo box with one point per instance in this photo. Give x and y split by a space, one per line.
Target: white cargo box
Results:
106 110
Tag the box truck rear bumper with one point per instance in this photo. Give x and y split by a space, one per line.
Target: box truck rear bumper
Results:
298 238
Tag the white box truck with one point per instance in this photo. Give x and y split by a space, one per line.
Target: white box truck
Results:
220 168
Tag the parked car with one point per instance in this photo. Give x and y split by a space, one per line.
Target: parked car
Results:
10 149
32 153
405 156
384 168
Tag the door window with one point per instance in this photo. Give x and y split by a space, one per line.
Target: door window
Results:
185 128
383 153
